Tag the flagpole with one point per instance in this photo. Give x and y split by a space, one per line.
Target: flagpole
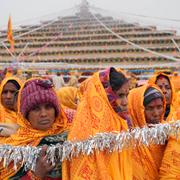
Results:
8 50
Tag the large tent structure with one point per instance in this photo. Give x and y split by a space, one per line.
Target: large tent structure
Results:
87 40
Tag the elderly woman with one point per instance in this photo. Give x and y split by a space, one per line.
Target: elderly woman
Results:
42 122
103 108
146 106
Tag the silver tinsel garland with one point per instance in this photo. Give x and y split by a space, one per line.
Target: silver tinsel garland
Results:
110 142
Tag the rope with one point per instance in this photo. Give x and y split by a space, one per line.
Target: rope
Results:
36 29
7 49
133 44
43 47
121 38
26 21
175 44
149 23
151 17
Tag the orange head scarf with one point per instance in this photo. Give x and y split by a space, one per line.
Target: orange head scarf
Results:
136 106
68 96
6 115
146 160
95 114
176 82
173 106
26 135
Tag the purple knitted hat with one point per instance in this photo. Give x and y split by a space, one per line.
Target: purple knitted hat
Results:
35 92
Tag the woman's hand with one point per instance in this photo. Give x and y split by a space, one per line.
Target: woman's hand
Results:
7 129
43 167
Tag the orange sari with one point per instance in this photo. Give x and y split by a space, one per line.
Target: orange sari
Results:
176 82
178 110
170 167
68 97
95 114
146 160
174 105
26 135
6 115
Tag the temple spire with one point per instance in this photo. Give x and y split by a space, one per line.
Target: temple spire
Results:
84 8
84 4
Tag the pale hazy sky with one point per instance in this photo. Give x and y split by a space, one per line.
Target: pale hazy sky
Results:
26 11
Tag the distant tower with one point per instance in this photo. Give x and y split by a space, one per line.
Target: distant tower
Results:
84 9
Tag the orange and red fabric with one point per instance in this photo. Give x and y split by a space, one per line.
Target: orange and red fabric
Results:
94 115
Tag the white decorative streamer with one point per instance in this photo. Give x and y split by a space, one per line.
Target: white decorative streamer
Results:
133 44
110 142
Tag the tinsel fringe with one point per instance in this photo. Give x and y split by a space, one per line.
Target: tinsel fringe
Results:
109 142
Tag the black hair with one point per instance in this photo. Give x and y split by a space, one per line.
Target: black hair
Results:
117 79
161 75
15 83
150 94
167 72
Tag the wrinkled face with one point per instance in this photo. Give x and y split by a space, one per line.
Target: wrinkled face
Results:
123 96
8 96
154 111
165 87
42 117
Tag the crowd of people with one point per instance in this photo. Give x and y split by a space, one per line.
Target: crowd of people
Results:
39 112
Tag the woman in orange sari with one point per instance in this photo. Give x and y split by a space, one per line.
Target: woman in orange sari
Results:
146 106
170 167
164 82
42 121
103 108
8 107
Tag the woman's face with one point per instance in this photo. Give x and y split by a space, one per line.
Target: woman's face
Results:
123 92
154 111
42 116
8 96
165 87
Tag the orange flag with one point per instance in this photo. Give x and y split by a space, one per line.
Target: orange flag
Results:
10 35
